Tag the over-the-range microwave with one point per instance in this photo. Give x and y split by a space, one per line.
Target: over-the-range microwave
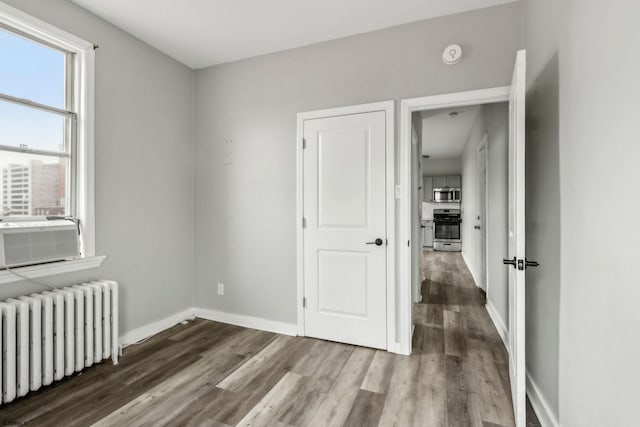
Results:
447 195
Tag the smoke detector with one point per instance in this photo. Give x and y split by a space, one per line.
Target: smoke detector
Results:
452 54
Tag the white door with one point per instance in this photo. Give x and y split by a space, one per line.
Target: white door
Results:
482 210
516 254
344 206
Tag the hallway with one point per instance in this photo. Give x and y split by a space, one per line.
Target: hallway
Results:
460 346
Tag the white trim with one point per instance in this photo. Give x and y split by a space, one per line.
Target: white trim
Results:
389 108
299 228
84 102
156 327
85 158
473 273
545 414
28 24
247 321
51 268
407 107
498 322
484 144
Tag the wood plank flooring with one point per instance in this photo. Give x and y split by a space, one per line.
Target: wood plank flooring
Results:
212 374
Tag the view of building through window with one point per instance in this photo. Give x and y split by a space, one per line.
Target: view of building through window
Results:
35 143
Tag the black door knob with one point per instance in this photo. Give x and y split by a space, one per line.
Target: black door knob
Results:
510 262
377 242
528 263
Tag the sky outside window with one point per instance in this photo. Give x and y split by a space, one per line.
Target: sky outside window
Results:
32 71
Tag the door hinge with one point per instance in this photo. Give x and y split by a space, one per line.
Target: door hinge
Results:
304 302
304 143
304 222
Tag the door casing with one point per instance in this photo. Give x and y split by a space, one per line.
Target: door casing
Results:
483 150
389 108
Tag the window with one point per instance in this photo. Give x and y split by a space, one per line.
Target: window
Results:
38 125
46 123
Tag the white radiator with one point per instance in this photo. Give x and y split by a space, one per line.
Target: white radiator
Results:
50 335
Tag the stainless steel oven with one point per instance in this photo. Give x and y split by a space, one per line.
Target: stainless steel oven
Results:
447 195
447 230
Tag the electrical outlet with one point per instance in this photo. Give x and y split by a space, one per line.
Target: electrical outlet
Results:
220 288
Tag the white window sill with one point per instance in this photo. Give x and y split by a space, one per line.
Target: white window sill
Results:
52 268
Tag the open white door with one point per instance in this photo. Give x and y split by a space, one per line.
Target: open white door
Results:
516 259
345 238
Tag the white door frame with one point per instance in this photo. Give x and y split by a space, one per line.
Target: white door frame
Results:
389 108
484 144
407 107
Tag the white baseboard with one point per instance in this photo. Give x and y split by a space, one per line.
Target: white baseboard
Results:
158 326
503 331
248 321
153 328
546 416
473 273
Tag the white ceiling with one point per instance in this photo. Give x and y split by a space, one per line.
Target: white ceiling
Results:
200 33
443 136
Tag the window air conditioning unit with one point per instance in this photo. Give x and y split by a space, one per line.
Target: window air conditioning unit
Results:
35 242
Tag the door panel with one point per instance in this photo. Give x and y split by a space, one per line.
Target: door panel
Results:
344 205
342 196
517 366
343 283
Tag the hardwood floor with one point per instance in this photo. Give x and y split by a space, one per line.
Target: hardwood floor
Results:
454 329
212 374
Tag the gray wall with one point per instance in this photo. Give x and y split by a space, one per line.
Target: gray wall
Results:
471 197
497 120
492 120
583 141
144 168
245 203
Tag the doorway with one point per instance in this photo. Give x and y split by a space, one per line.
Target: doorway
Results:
408 109
456 144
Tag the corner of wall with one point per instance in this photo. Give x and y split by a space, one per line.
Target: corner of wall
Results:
541 407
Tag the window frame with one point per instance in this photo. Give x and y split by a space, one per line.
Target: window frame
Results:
80 85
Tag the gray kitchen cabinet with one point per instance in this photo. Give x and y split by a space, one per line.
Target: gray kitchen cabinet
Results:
454 181
427 187
440 181
427 234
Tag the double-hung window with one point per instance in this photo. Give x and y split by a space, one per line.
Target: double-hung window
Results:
46 124
38 128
